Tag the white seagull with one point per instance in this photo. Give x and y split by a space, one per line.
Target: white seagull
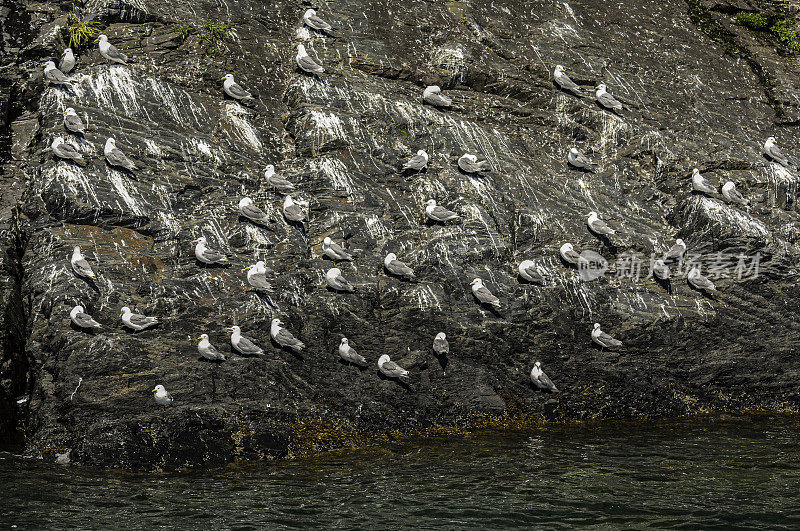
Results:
115 157
162 397
603 339
207 350
438 213
257 276
580 161
349 354
285 338
82 319
80 265
564 82
541 380
207 255
67 62
275 180
336 280
732 195
66 151
314 22
773 152
417 162
469 164
234 90
598 226
701 184
440 345
396 267
698 281
390 368
333 250
73 122
252 212
483 294
243 345
110 52
531 272
53 75
432 95
306 63
607 100
136 321
292 211
569 255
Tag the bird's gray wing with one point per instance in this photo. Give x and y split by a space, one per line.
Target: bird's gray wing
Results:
415 163
468 166
213 256
399 268
246 346
391 366
441 345
567 84
485 296
116 54
115 157
309 65
67 151
438 100
343 282
600 227
661 272
775 153
285 338
74 123
212 350
252 211
702 282
736 196
317 23
607 100
259 281
572 256
65 66
141 320
336 248
607 339
83 268
279 182
293 212
533 272
545 381
56 76
442 213
676 251
85 320
238 92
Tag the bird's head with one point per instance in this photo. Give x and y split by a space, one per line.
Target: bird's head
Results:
101 38
227 77
601 87
245 201
202 337
124 310
301 50
270 169
596 326
574 151
344 341
440 335
327 240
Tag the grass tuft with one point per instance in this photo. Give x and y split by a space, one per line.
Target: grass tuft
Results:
80 31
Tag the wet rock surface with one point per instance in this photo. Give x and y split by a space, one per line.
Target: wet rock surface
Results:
694 98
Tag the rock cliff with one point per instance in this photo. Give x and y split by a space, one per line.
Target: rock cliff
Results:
699 89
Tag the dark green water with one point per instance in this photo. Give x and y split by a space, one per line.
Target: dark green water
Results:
702 473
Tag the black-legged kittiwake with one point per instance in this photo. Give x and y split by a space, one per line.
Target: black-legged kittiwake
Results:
66 151
314 22
334 251
306 63
569 255
207 350
136 321
483 295
53 75
349 354
243 345
390 368
206 255
67 62
83 319
603 339
110 52
578 160
417 162
438 213
440 345
252 212
276 181
661 270
701 184
607 100
773 152
598 226
336 280
432 95
564 82
396 267
284 338
469 164
257 276
80 265
732 195
234 90
531 272
162 397
541 380
73 122
676 252
292 211
115 157
698 281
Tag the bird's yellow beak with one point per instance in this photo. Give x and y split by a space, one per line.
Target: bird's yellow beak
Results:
199 338
472 283
195 241
230 329
153 391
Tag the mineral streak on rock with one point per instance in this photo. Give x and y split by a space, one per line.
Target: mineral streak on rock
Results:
341 139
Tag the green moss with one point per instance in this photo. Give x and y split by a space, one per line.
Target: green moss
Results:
215 33
80 30
184 30
785 31
753 21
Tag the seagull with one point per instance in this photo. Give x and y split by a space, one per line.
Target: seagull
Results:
285 338
257 277
598 226
698 281
580 161
110 52
469 164
437 213
82 319
541 380
701 184
252 212
732 195
336 280
390 368
66 151
440 345
564 82
603 339
136 321
433 96
80 265
242 344
209 351
661 270
483 295
676 252
306 63
67 62
117 158
292 210
314 22
396 267
568 254
530 271
349 354
417 162
53 75
206 255
275 180
234 90
333 250
773 152
607 100
73 122
163 398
